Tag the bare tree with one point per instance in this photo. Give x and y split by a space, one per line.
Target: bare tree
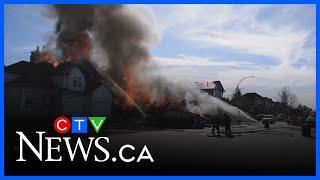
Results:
287 97
236 96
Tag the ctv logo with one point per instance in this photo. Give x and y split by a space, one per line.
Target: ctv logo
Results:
87 147
63 124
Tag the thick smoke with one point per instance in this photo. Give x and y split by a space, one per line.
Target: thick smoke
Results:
117 32
72 27
122 36
116 38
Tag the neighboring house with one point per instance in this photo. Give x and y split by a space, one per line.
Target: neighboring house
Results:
255 104
279 108
214 88
39 89
268 105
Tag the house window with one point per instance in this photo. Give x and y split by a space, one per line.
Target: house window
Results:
76 81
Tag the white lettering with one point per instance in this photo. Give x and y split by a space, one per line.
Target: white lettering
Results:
107 155
148 156
79 143
23 138
50 148
122 149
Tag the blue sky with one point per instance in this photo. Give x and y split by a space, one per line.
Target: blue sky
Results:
274 43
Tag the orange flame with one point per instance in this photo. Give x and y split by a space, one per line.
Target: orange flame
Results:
55 64
74 49
79 49
135 91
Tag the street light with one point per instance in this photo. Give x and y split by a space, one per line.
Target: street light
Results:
237 87
243 80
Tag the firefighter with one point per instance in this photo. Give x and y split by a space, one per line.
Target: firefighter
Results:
227 124
215 123
266 123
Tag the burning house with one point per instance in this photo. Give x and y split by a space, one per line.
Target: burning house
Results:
97 56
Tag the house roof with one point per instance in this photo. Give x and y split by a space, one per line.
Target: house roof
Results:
30 74
209 85
206 85
63 68
92 76
218 83
39 74
252 95
24 68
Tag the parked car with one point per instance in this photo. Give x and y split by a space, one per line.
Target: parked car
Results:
259 117
298 121
296 116
311 119
178 119
270 118
280 117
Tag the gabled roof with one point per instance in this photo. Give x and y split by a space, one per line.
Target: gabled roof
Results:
253 94
209 85
62 69
205 85
39 74
24 68
218 83
93 78
36 75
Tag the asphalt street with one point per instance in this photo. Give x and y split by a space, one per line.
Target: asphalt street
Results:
279 150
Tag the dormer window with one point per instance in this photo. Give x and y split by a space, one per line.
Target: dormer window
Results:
76 81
